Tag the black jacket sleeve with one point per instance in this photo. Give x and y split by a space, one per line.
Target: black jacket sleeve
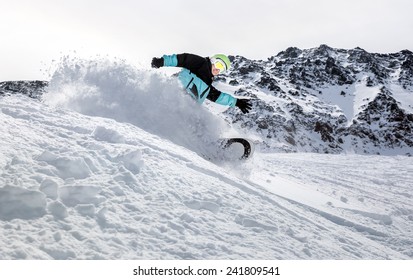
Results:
213 94
191 62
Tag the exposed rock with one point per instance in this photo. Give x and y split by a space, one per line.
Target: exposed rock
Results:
312 91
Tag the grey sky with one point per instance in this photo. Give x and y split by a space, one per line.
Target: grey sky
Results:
33 33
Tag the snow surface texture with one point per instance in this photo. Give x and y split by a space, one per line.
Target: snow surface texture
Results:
106 168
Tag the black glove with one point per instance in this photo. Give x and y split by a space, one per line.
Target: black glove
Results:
157 62
244 105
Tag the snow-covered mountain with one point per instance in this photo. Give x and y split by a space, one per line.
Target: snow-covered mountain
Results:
103 162
328 100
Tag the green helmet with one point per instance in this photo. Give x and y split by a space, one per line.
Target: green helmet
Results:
221 58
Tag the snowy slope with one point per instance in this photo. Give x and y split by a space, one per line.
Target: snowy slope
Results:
92 173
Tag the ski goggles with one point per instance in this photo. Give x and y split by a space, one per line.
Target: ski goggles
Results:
219 64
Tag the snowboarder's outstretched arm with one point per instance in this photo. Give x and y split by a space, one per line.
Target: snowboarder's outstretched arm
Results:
189 61
229 100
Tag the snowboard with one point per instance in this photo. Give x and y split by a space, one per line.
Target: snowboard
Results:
236 148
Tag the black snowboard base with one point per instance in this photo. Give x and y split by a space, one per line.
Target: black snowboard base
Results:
228 145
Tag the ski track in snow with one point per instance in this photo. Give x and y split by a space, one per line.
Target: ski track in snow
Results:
79 187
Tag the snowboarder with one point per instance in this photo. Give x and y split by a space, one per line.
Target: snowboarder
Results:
197 76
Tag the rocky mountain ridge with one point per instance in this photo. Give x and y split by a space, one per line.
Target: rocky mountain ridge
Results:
328 100
33 89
